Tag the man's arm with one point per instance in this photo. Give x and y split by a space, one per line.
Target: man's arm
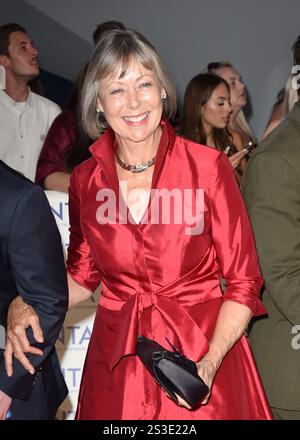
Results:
21 316
37 264
81 285
271 189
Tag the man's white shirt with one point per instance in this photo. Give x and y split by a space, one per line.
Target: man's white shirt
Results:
23 128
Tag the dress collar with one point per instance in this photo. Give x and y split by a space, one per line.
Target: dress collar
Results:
104 150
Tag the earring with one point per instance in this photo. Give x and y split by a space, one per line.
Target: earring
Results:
163 94
100 113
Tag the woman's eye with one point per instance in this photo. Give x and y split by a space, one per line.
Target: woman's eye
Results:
146 84
221 103
116 91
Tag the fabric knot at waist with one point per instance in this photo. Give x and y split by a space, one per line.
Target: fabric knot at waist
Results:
170 304
145 300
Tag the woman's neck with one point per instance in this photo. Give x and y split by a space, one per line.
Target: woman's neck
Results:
209 133
134 153
232 121
234 126
210 141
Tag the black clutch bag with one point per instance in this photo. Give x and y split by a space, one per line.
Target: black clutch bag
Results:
174 372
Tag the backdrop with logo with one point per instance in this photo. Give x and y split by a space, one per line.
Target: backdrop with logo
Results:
75 334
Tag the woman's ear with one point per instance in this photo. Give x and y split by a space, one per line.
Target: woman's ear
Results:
99 106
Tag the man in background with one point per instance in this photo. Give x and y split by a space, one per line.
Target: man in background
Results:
32 266
271 189
25 117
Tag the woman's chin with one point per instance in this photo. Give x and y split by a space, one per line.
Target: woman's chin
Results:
221 126
236 108
242 103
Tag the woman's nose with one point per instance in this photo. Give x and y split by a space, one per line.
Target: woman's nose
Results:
242 85
228 109
133 99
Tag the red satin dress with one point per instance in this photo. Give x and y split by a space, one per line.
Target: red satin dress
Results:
159 281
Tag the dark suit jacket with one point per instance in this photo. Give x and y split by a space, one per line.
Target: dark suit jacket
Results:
271 189
32 265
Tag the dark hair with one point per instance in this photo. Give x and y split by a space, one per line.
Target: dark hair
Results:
215 65
73 100
296 50
5 32
296 53
104 27
80 150
197 94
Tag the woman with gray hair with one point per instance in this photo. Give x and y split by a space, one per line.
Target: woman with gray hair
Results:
157 219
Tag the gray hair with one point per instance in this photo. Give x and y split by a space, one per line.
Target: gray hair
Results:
117 48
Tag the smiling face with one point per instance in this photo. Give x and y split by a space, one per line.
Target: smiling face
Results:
132 103
237 87
23 57
216 112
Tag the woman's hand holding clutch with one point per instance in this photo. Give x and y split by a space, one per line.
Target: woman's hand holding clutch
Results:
206 370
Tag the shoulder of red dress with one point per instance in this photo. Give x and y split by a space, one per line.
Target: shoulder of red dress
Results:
198 149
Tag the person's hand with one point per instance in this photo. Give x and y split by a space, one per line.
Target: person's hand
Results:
5 404
20 317
206 370
180 400
236 158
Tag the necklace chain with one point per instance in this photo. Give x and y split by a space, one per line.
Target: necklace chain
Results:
138 168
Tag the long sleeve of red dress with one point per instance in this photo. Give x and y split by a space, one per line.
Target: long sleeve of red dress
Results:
233 239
